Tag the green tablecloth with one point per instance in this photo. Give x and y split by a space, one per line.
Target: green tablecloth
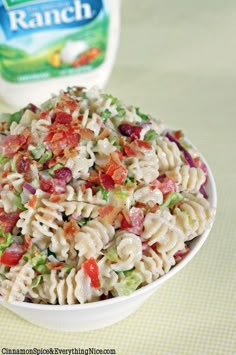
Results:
177 61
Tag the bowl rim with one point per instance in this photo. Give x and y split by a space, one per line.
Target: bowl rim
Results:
198 243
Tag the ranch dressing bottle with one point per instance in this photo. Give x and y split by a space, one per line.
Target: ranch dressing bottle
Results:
48 45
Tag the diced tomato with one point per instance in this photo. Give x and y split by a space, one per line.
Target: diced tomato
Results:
53 185
8 220
109 213
62 117
64 174
93 177
137 217
129 151
92 271
44 114
106 181
12 144
55 198
70 228
130 130
124 224
166 186
12 255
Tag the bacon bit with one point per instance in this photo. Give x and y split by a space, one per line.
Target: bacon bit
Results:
5 173
116 169
143 144
8 220
32 202
104 134
87 185
11 187
129 151
106 181
86 133
70 229
93 177
62 117
55 198
58 139
130 130
67 102
22 164
44 114
109 213
91 269
27 242
12 144
55 265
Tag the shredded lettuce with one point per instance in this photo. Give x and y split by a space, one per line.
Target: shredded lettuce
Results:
3 159
105 193
16 116
141 115
121 111
83 221
38 260
46 156
38 151
129 180
114 100
18 202
36 281
111 254
172 199
129 283
6 239
106 114
150 135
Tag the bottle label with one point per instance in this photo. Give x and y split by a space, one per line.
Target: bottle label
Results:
43 39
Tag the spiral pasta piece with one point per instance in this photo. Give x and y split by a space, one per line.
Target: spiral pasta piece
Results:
93 237
169 155
187 178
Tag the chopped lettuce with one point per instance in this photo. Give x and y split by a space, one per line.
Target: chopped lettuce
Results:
150 135
111 254
3 159
83 221
38 151
38 260
6 239
36 281
121 194
18 202
16 116
114 100
129 283
106 114
141 115
129 180
105 193
46 156
172 199
68 267
121 111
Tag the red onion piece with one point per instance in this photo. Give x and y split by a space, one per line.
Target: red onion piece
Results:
29 188
187 156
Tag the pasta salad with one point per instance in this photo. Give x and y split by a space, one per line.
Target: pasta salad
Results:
97 199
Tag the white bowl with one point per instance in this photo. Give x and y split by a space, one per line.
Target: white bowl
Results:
84 317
